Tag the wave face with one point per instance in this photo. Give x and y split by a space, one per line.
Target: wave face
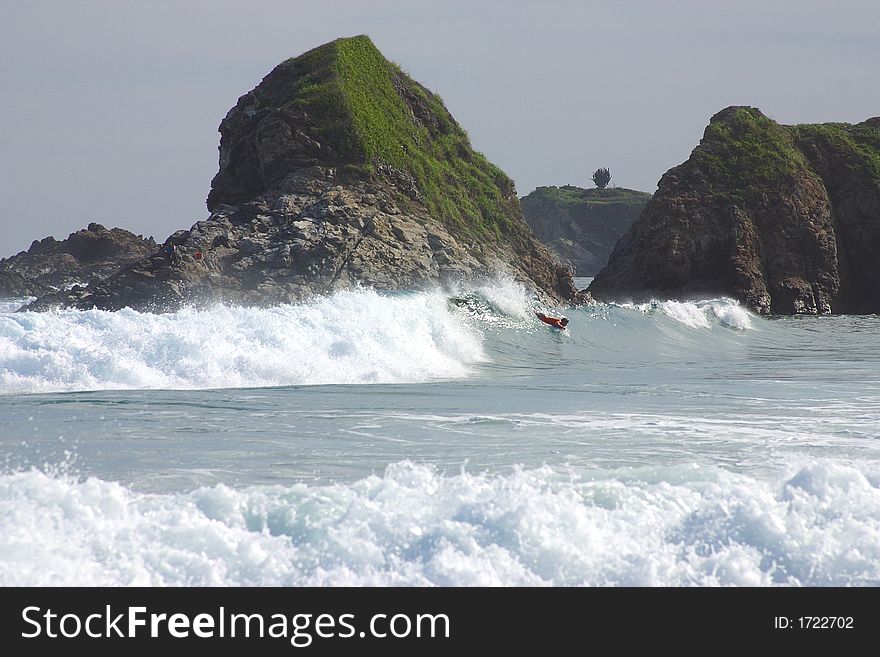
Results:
414 526
349 338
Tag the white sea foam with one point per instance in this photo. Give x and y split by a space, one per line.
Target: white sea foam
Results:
689 314
818 525
731 313
351 337
700 314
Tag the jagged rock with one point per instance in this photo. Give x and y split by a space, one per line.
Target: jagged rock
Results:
50 265
582 225
784 218
338 170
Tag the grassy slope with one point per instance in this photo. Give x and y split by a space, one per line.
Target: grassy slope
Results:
352 91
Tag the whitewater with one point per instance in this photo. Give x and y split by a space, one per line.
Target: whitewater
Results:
440 437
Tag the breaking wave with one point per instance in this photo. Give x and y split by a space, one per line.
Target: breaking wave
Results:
351 337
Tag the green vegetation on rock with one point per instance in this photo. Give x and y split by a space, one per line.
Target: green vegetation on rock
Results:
375 114
570 194
861 142
743 153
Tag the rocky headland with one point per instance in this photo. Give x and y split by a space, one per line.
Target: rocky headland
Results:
785 219
51 265
337 170
582 225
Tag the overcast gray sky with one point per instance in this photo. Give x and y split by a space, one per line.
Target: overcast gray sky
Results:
110 109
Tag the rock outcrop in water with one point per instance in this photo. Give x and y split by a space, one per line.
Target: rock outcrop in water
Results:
582 225
89 254
784 218
338 170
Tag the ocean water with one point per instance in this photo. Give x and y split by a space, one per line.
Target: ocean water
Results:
439 438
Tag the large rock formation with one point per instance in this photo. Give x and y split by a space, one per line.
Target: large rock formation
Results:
338 170
784 218
582 225
50 265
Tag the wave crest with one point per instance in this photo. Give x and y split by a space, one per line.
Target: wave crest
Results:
699 314
351 337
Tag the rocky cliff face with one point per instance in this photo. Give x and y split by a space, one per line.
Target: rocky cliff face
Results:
784 218
51 265
582 225
338 170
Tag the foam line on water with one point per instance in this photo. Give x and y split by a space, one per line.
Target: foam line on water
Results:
817 525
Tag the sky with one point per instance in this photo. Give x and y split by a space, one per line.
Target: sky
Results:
110 108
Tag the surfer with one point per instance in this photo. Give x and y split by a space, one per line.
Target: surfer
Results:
555 322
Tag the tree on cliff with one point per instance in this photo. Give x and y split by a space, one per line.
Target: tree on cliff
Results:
601 177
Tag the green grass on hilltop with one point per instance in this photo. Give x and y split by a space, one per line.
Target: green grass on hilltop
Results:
357 99
745 153
572 195
867 135
862 141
